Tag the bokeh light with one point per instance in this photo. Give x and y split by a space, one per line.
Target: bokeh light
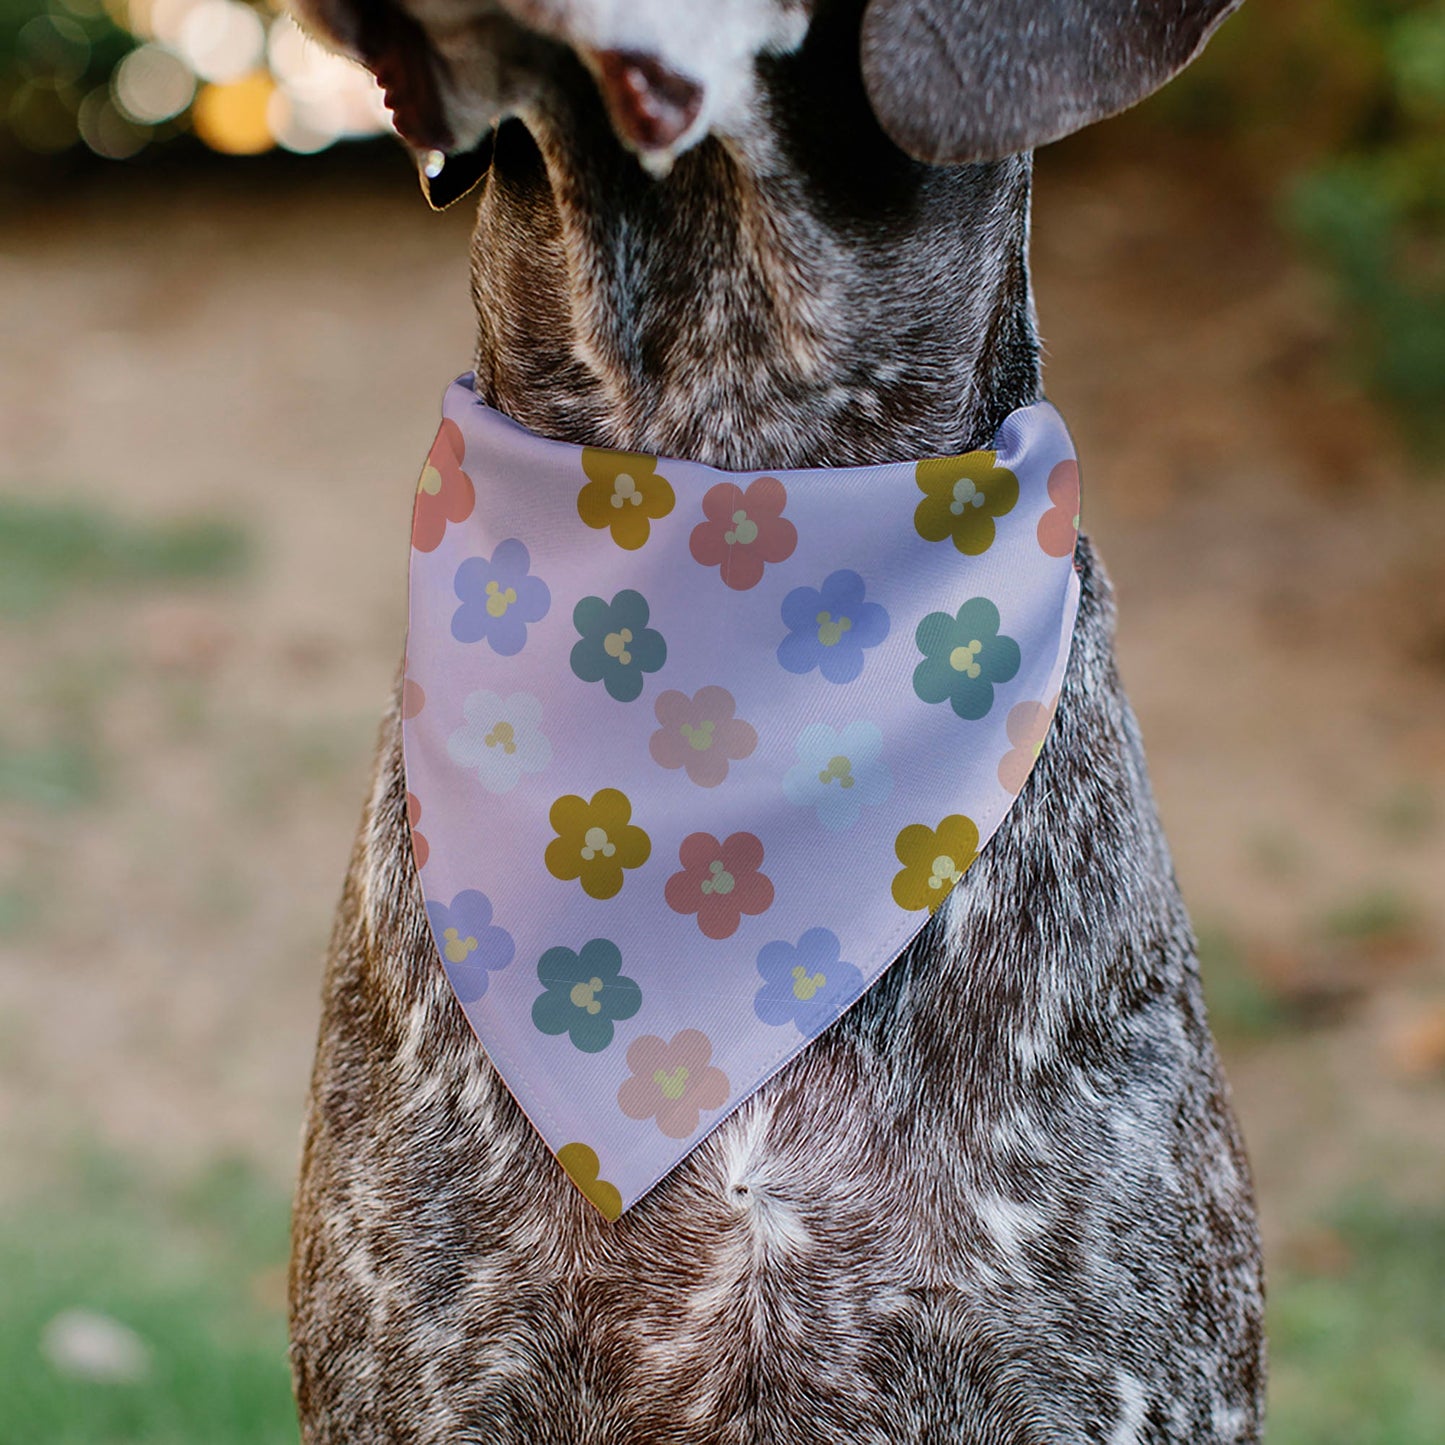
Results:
119 75
152 84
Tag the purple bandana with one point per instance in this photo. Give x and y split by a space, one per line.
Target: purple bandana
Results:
693 755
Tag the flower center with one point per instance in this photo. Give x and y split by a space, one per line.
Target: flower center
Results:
719 881
744 530
625 492
965 495
502 736
700 737
584 995
805 985
498 600
831 629
458 949
595 841
945 872
673 1085
431 480
615 645
965 659
838 767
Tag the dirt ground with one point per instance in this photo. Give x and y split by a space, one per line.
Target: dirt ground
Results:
274 353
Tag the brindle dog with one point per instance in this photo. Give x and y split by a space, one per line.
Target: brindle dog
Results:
1002 1200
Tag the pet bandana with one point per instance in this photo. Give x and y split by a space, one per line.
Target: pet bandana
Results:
692 755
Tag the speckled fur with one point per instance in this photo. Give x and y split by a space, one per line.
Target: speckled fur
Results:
1003 1200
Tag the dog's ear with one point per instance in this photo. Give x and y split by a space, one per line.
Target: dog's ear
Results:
975 80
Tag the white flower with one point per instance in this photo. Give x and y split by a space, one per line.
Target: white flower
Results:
502 739
838 773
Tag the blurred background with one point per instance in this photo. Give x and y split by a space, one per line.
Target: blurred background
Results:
226 320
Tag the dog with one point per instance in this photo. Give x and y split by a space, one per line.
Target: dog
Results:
1003 1199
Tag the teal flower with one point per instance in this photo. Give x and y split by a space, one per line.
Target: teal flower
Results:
585 994
964 656
617 646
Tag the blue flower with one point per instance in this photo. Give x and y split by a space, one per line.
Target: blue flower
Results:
617 646
804 983
585 994
471 946
838 773
963 657
499 599
830 626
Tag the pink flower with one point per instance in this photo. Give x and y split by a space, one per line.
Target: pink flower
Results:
420 848
1028 726
744 531
444 493
1059 526
719 882
701 734
672 1083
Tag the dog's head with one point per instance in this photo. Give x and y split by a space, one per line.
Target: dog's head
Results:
949 81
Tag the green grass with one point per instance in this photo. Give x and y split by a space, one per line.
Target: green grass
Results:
194 1274
1358 1356
49 549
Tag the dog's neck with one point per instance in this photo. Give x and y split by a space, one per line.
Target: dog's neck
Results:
802 296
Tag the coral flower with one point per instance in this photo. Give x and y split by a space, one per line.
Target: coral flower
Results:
672 1082
719 882
444 493
744 531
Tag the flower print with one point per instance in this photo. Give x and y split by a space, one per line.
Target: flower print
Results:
444 493
585 994
933 859
595 841
719 882
830 626
413 698
499 599
420 848
963 657
838 773
623 493
744 531
700 733
501 740
471 945
617 646
805 983
672 1082
584 1169
1059 527
961 497
1028 726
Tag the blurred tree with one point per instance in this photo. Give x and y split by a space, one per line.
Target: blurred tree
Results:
1338 106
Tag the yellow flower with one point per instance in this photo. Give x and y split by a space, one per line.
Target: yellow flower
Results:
933 859
623 493
961 497
595 841
583 1168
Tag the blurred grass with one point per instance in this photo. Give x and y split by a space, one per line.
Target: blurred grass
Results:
196 1273
1358 1348
49 549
